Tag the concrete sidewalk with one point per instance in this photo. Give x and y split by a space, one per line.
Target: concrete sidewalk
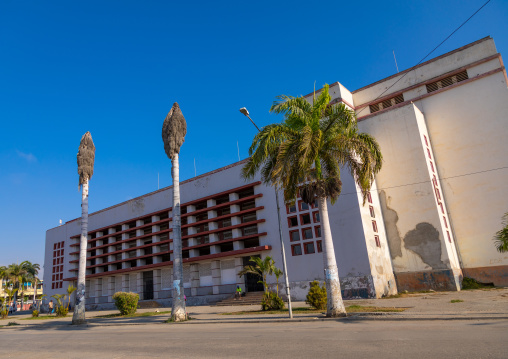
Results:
475 304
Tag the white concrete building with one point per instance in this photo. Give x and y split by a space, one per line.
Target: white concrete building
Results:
429 220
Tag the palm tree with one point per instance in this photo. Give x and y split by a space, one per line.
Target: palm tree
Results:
302 155
86 158
501 237
261 267
33 271
277 272
11 293
16 273
70 289
174 130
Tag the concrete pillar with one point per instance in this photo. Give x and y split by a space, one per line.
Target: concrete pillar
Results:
156 283
214 249
238 245
238 267
216 276
194 274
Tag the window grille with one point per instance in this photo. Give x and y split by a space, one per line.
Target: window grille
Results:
205 269
386 103
447 81
227 264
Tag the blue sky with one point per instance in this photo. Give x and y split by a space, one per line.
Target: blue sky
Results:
114 68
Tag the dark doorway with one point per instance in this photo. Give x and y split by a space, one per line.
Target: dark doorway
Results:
148 285
251 280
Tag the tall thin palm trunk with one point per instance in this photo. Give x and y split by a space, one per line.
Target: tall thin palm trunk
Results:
35 293
178 309
334 304
79 306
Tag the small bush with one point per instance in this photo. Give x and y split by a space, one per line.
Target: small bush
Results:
470 283
316 296
271 301
126 303
61 311
4 313
35 313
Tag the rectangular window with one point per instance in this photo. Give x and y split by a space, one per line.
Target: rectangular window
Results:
291 208
428 154
449 237
445 222
303 206
305 219
307 233
432 166
317 230
372 213
319 245
378 242
296 250
374 226
308 248
369 197
292 221
315 204
425 138
294 236
315 217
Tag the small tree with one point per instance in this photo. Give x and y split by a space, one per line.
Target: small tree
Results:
316 296
261 267
61 309
501 237
277 272
70 289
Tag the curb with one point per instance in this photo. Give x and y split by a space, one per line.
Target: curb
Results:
373 317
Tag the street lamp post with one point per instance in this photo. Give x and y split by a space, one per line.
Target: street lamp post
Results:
244 111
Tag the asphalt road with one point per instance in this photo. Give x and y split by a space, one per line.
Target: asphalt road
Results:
330 339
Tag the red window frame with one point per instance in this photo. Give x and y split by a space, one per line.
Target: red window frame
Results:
369 197
372 213
291 237
303 233
317 231
428 153
432 166
378 242
425 138
288 206
315 214
374 226
441 205
438 194
293 247
319 246
445 222
302 221
305 247
300 204
315 204
449 237
289 221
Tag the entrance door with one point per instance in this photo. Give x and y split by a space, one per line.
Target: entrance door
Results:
148 285
251 280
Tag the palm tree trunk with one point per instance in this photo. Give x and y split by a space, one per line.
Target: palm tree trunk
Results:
79 307
35 294
334 305
178 312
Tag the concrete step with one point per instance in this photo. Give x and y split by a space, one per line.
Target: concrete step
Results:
146 304
253 298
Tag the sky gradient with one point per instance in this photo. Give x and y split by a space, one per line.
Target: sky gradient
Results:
114 68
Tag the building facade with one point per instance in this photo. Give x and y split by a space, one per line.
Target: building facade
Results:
428 221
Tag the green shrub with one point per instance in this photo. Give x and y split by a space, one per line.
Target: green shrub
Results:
35 313
272 301
4 313
61 311
316 296
470 283
126 303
